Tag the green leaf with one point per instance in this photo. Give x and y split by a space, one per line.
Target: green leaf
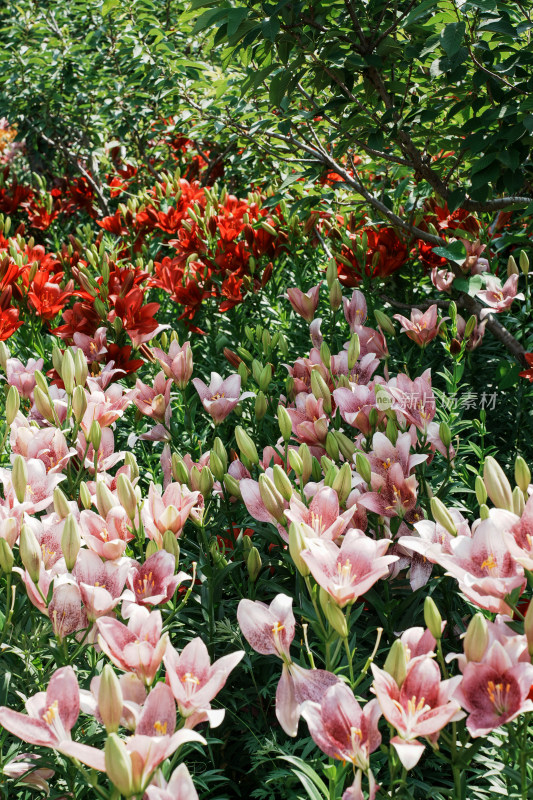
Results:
309 777
453 251
452 37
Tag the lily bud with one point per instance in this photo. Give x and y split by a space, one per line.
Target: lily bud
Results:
206 481
331 272
363 467
232 485
442 515
331 475
282 482
445 434
70 541
272 499
333 613
296 462
253 564
4 355
79 403
528 627
246 445
325 354
105 499
110 700
332 446
118 765
346 445
307 461
335 295
194 479
6 557
131 462
354 350
392 431
126 495
285 423
68 372
497 485
522 474
171 545
523 260
61 506
30 552
470 326
85 495
484 512
152 548
261 406
220 450
481 492
95 435
343 483
265 378
476 638
19 478
43 404
384 322
297 543
518 501
12 404
216 466
57 359
81 370
432 617
320 389
396 662
512 269
180 472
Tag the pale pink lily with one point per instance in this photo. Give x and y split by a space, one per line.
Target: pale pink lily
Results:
301 370
393 494
355 309
442 279
179 787
106 537
347 572
413 400
384 454
104 406
106 456
22 376
495 691
154 582
50 719
221 396
519 538
422 327
168 511
355 404
194 681
269 630
177 363
94 347
476 337
100 583
305 304
46 444
498 297
309 421
133 696
323 518
343 730
39 488
361 372
25 770
154 401
138 647
66 610
420 707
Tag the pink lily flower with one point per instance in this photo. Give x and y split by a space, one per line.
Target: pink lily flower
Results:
177 363
498 297
301 370
106 456
154 582
269 630
179 787
348 571
136 647
100 583
476 337
50 719
23 376
309 421
94 347
47 444
343 730
422 327
361 373
154 401
104 406
384 454
106 537
514 644
355 404
413 400
442 279
393 495
66 610
355 309
133 696
315 333
24 769
194 681
323 518
39 489
304 304
495 691
421 706
221 396
168 511
518 537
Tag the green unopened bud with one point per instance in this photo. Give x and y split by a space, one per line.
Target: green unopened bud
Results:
81 369
325 354
43 404
296 462
118 765
522 474
373 417
484 511
396 662
61 506
470 326
297 543
253 564
246 544
282 482
95 435
105 499
85 495
4 355
220 450
261 406
384 322
518 501
442 515
12 404
272 499
180 472
265 378
335 295
110 700
363 467
528 627
194 479
354 349
206 482
524 262
285 423
57 359
481 492
320 389
216 466
445 434
346 445
30 552
332 446
79 403
19 478
68 372
432 618
476 638
342 483
331 475
152 547
331 273
498 487
452 311
512 269
246 445
70 541
41 381
232 485
131 462
391 431
316 471
6 557
126 495
244 372
307 462
333 613
171 545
